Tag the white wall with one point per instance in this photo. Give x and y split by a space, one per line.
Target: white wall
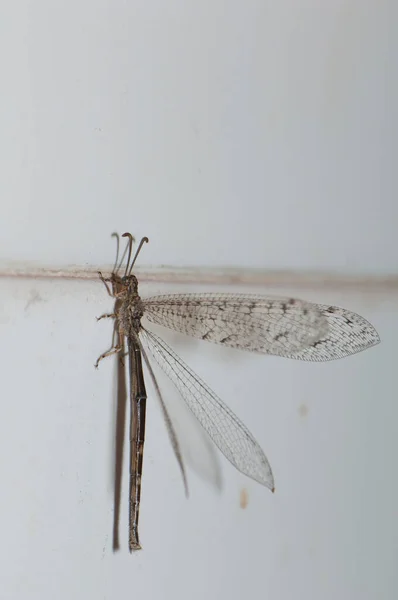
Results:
248 134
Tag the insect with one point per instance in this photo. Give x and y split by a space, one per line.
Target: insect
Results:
284 327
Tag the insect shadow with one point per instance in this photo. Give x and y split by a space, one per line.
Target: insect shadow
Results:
119 429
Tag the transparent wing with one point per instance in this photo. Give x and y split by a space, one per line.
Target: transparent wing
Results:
348 333
262 324
224 428
279 326
169 424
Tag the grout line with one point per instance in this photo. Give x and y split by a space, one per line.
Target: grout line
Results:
217 276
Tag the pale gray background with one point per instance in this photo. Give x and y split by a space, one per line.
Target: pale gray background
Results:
255 134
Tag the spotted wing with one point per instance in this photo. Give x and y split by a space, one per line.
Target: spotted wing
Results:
269 325
262 324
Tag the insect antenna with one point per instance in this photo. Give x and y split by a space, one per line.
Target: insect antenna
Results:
131 239
117 265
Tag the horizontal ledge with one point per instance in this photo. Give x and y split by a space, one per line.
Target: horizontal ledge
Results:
216 276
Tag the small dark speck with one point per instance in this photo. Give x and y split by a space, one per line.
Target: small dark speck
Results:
244 498
279 336
316 344
303 410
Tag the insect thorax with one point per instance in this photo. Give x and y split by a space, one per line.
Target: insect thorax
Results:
131 307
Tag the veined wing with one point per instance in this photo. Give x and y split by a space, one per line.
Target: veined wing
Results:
278 326
222 425
264 324
348 333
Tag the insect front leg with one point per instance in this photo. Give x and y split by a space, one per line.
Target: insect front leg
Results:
105 282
